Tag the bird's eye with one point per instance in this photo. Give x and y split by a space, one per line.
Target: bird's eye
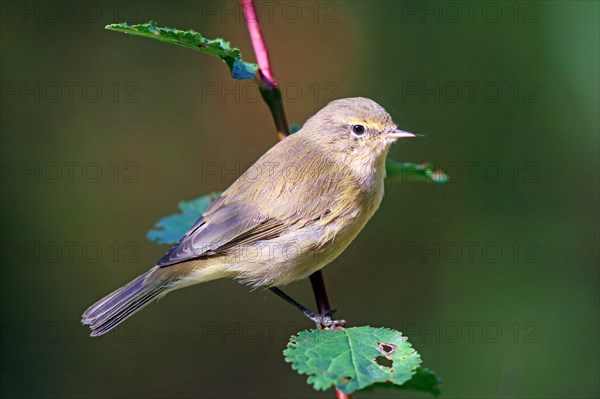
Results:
358 129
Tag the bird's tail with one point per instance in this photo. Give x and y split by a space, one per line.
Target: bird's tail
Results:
113 309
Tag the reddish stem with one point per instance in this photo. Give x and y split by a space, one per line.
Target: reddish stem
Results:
341 395
268 85
260 49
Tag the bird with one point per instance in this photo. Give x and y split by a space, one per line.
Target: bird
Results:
291 213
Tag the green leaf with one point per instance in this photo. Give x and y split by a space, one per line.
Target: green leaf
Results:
424 380
352 358
240 69
171 228
406 171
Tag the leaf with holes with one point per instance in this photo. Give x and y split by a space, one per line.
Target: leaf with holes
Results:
220 48
352 358
171 228
406 171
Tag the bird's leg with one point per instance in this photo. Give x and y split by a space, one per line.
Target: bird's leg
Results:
324 319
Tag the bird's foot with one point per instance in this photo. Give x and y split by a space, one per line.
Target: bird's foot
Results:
325 319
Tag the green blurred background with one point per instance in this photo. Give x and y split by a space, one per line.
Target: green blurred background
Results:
493 276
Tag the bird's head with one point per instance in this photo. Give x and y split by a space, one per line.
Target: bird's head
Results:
357 129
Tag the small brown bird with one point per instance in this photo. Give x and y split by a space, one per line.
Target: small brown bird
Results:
290 214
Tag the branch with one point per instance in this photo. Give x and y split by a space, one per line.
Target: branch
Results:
268 85
318 285
260 49
269 89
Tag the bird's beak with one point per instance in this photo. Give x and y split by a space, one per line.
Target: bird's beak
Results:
400 134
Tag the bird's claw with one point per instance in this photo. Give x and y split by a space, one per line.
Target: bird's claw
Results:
325 319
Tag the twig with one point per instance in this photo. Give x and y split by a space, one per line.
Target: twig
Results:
318 285
341 395
268 85
269 89
260 49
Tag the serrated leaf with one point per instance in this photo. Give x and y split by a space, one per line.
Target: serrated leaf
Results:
352 358
170 229
407 171
218 47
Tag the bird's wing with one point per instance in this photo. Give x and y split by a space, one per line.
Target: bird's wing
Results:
223 226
